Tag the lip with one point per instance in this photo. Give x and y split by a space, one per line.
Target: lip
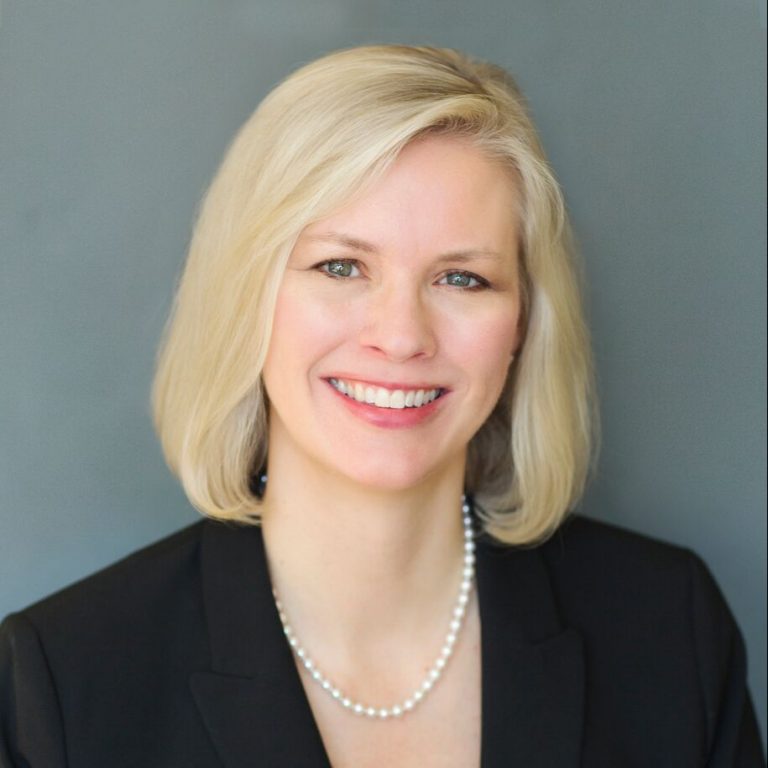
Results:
389 418
390 385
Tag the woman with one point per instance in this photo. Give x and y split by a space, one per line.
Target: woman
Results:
378 376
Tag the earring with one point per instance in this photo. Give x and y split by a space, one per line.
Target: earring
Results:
260 485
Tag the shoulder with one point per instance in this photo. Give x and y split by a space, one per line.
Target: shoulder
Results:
635 597
632 596
596 566
591 551
608 581
98 646
582 535
110 656
162 564
657 629
120 603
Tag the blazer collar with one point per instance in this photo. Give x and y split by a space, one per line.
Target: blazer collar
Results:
532 668
254 706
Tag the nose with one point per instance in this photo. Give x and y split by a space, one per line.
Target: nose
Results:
397 323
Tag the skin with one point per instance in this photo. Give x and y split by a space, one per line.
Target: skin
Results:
361 515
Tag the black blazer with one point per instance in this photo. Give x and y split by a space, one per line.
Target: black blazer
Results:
600 648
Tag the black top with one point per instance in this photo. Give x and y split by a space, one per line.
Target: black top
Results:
600 648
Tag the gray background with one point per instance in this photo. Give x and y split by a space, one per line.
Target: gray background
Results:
114 116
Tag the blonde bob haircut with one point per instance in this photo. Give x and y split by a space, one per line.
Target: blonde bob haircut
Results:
319 138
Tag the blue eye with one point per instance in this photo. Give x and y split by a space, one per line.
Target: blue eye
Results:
339 268
464 280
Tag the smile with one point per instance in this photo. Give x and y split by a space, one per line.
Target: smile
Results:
385 398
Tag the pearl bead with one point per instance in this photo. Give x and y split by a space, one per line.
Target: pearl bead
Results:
435 672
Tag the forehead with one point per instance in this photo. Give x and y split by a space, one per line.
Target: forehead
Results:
440 193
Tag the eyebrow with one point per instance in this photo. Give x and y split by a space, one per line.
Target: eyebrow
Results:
356 244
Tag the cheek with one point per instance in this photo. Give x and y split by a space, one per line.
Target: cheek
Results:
486 344
285 343
301 330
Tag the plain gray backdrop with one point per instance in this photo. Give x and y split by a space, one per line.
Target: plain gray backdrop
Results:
114 116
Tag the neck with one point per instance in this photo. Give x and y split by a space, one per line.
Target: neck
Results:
363 575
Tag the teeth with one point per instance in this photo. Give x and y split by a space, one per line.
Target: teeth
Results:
397 399
385 398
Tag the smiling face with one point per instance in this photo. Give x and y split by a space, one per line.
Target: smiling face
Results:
396 320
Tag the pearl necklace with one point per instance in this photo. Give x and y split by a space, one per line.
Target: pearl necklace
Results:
457 620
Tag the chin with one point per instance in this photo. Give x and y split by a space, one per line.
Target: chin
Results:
386 475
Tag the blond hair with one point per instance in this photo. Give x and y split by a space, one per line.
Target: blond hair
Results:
321 136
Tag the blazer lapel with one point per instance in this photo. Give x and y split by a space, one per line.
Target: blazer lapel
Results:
252 703
532 670
254 706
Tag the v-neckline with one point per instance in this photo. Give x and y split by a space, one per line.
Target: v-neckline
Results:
253 700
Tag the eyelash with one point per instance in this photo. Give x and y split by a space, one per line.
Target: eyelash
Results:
481 283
